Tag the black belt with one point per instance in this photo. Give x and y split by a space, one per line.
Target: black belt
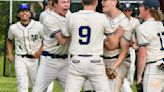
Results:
26 55
153 61
83 55
45 53
114 57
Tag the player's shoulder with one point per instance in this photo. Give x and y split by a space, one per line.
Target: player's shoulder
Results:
36 23
15 25
144 28
122 16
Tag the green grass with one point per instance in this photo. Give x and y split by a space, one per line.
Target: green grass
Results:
8 84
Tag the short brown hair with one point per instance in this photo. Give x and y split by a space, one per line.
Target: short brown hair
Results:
88 2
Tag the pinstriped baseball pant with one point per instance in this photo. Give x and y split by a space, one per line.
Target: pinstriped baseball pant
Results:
153 80
26 70
83 68
49 70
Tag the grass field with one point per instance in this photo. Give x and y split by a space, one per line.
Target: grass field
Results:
8 84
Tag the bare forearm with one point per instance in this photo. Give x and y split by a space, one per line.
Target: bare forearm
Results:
124 52
61 39
141 62
9 47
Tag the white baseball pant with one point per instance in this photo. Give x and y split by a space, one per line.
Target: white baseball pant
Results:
116 84
87 86
26 70
49 70
126 86
153 80
83 68
50 87
128 81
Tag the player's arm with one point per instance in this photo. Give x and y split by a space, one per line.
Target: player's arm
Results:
9 49
61 39
124 44
39 52
143 39
55 31
141 62
112 41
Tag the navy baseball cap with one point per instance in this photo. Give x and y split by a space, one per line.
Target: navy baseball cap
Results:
127 6
153 4
24 6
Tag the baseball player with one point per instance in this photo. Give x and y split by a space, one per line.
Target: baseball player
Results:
150 53
128 81
117 59
48 10
27 35
86 29
53 62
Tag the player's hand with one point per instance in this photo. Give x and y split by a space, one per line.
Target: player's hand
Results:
37 54
139 79
10 58
120 31
139 84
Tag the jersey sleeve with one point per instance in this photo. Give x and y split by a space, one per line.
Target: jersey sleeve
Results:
10 33
51 26
108 30
142 37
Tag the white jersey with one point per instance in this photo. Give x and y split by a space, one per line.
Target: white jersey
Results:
120 20
44 14
52 24
27 39
151 34
134 23
87 29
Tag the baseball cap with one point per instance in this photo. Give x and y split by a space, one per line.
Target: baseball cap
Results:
127 6
154 4
24 6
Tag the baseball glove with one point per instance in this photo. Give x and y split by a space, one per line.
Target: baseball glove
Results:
111 73
139 87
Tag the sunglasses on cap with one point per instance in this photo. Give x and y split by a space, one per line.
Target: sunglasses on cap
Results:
24 7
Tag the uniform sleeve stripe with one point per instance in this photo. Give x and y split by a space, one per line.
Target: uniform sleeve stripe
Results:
143 44
108 34
126 39
52 34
